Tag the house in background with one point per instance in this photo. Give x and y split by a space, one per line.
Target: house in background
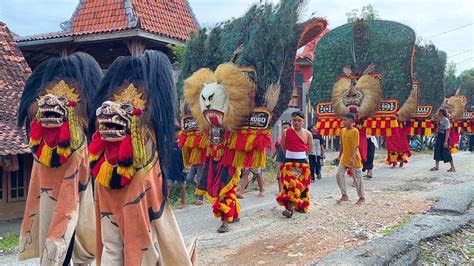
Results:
15 156
107 29
302 83
303 78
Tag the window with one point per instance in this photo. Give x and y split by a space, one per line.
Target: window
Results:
16 184
299 80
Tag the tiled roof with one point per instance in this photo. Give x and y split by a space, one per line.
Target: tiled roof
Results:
99 16
308 50
13 74
173 19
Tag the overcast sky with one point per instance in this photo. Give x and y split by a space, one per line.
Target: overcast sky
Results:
426 17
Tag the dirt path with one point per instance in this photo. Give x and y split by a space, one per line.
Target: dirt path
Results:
264 236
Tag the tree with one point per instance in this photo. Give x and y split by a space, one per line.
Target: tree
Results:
465 82
178 53
366 13
450 82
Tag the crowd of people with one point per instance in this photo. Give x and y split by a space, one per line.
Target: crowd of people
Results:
295 144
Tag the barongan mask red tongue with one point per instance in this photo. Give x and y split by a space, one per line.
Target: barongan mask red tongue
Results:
353 109
214 120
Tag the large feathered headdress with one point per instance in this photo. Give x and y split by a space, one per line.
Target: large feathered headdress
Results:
263 43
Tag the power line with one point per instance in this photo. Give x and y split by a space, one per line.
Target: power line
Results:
465 60
472 60
467 25
460 53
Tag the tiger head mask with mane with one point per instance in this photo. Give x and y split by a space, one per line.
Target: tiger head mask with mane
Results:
220 99
134 117
55 106
355 93
455 105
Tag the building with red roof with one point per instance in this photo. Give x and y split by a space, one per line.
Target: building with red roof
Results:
107 29
15 157
303 77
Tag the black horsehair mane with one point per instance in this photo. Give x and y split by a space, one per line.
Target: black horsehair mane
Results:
152 72
79 69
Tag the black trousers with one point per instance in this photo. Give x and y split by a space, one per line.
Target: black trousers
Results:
314 165
369 163
471 142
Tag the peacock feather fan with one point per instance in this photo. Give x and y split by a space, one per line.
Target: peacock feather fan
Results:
263 42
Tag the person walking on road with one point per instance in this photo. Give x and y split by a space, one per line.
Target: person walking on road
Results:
295 172
316 156
278 154
350 159
441 150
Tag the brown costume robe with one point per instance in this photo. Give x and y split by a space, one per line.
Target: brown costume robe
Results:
135 226
59 203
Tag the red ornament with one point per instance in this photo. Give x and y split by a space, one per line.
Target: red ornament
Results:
72 103
136 111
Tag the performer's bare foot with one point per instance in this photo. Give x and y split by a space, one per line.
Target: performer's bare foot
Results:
239 196
182 206
261 194
287 213
198 202
224 228
342 199
393 166
360 201
401 164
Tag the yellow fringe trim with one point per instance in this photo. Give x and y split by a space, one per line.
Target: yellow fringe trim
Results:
195 157
190 140
428 131
127 172
94 157
105 174
45 157
233 181
64 152
250 140
74 127
138 143
34 142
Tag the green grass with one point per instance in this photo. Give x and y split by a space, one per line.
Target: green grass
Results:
428 257
9 241
470 253
175 197
389 230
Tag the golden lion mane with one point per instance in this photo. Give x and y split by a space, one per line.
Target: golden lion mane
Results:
368 85
239 88
455 105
